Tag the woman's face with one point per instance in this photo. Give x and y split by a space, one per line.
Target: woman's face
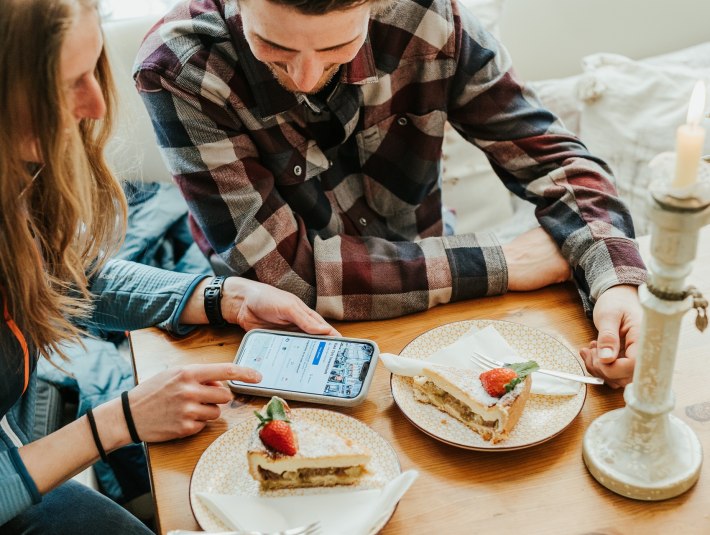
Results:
77 64
79 55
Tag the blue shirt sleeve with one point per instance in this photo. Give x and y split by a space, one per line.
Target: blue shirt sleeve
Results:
17 489
132 296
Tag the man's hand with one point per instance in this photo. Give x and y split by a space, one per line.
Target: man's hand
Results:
253 305
534 261
617 317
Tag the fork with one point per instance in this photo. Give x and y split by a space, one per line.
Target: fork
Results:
310 529
489 363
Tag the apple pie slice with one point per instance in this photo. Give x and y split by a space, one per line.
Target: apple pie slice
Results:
490 403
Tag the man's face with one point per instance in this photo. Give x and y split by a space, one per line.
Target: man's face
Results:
303 51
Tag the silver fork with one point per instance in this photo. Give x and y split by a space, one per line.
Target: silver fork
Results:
310 529
489 363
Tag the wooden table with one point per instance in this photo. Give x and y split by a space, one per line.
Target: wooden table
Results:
543 489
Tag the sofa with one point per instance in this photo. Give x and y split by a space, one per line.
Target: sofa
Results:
618 73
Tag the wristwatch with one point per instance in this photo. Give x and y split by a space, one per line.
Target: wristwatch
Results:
213 301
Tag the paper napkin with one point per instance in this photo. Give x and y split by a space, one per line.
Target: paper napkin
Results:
487 341
354 512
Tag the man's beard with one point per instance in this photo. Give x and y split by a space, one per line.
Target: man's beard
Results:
286 82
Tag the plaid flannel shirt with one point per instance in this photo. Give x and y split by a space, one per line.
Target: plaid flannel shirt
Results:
339 202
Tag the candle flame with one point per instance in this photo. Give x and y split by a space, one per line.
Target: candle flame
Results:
697 104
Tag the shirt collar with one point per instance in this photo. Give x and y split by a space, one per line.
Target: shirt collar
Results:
361 70
271 98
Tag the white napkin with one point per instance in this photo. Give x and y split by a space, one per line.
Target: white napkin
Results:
347 513
487 341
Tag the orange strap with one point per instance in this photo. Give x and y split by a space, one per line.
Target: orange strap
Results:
20 338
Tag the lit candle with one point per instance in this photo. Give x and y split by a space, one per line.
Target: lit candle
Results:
689 141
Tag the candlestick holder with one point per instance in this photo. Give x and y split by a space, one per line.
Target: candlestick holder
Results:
642 451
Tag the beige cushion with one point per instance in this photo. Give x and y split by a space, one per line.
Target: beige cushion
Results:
133 150
470 188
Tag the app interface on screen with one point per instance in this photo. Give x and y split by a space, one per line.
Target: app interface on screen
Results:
330 367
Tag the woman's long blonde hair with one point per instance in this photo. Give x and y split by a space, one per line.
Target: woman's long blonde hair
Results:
61 216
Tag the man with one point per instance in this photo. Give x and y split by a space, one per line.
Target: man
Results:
306 138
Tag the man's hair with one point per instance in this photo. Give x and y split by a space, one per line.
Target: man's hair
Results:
58 224
321 7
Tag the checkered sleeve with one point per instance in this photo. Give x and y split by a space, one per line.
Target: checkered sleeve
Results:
540 161
235 203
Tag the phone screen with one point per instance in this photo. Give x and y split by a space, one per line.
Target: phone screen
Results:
308 365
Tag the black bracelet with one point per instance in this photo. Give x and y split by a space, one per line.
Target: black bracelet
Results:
129 417
95 434
213 302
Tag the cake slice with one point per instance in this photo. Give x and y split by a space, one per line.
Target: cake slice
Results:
321 457
483 402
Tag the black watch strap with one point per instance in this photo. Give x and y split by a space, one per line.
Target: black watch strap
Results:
213 302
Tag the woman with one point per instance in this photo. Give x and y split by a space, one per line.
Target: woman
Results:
60 214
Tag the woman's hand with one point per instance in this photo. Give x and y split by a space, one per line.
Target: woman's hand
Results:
172 404
179 402
252 305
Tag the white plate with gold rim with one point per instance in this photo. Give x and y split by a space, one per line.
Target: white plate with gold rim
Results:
223 469
544 416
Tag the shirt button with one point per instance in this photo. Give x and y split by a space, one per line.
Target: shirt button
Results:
297 170
330 164
363 221
402 121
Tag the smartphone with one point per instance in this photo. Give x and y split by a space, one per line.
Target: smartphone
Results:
303 367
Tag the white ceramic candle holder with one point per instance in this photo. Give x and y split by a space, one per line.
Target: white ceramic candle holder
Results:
642 451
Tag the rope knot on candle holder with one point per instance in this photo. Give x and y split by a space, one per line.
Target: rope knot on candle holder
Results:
700 303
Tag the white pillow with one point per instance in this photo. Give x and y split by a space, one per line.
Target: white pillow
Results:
631 110
625 111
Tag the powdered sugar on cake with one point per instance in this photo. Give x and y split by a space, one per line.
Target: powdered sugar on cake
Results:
469 381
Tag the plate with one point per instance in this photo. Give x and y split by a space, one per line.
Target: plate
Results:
223 468
544 416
